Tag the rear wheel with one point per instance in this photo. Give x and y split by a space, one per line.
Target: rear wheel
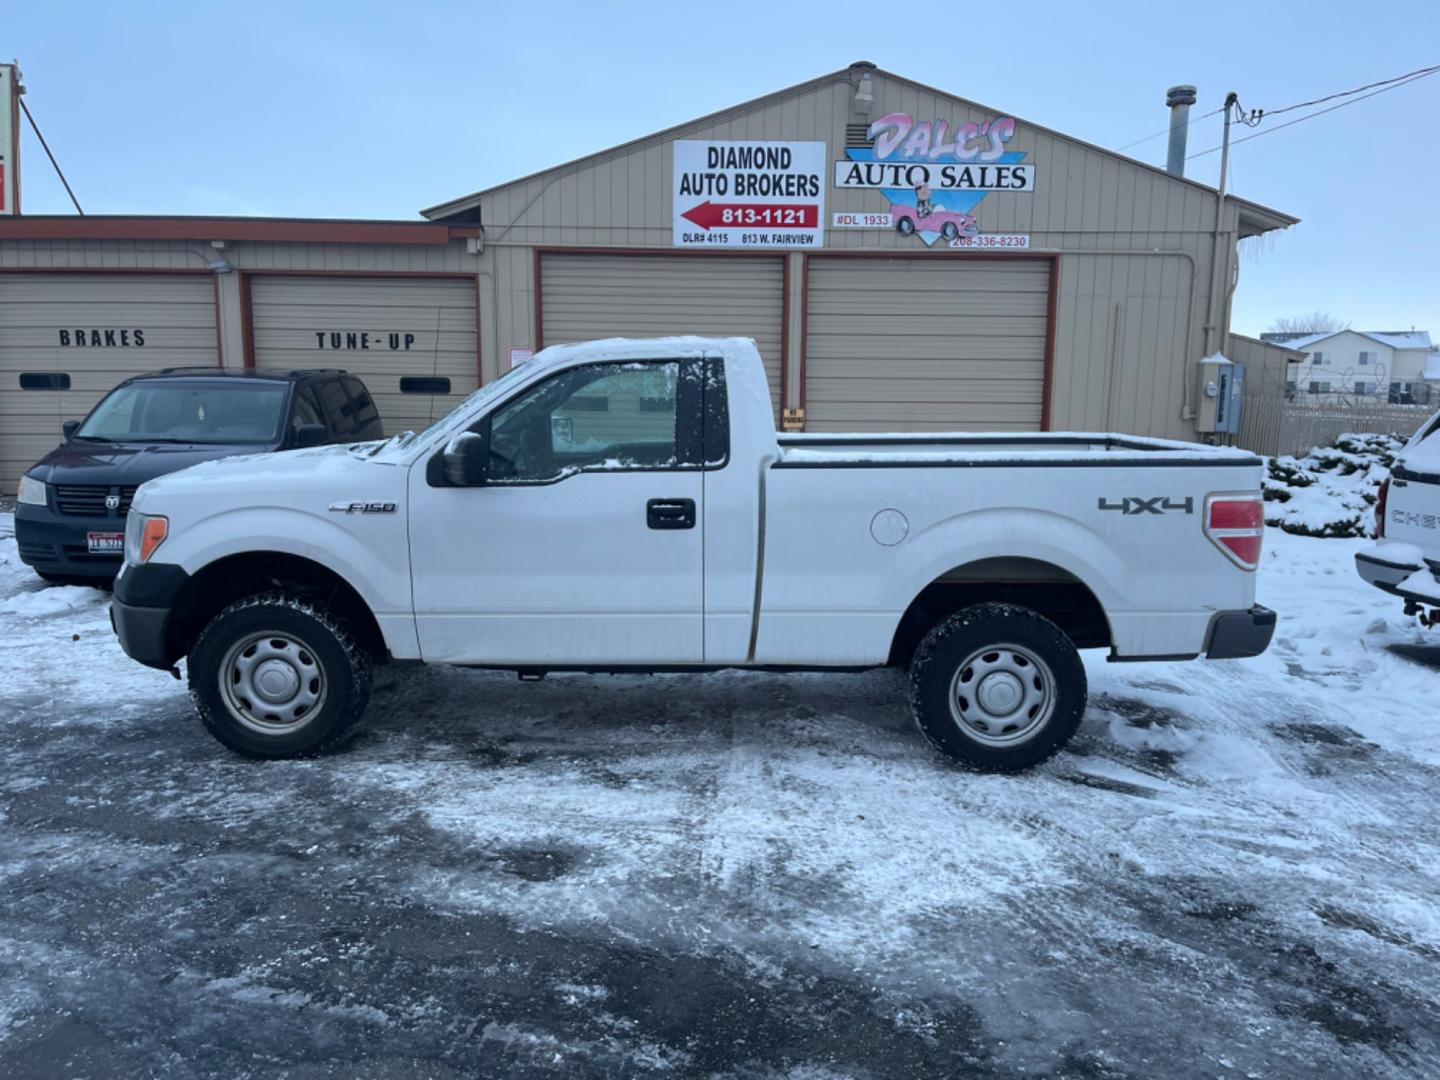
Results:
998 688
277 676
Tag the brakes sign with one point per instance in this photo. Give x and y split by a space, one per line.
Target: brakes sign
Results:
742 194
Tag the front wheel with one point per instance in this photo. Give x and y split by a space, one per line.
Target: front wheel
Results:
998 688
278 676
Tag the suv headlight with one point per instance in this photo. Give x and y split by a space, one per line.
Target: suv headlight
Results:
143 534
31 492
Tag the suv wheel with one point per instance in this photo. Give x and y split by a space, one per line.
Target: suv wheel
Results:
277 675
998 688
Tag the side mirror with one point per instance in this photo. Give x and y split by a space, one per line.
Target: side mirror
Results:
311 435
69 427
465 459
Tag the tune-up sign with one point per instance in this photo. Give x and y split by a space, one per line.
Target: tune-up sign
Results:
749 194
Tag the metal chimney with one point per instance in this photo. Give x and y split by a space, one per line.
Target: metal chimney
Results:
1179 99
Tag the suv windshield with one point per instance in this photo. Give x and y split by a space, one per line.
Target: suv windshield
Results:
235 411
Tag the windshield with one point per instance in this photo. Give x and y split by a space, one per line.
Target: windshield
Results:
485 393
236 411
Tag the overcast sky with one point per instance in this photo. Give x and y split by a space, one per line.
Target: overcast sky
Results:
362 109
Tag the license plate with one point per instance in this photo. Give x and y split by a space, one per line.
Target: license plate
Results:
106 543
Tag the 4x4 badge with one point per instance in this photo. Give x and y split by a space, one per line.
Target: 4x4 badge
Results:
1160 504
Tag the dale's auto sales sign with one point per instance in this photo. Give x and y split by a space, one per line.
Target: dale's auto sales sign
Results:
749 194
933 156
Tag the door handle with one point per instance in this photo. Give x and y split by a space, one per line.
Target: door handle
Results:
670 513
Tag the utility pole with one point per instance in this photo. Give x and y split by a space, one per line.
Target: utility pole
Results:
1213 344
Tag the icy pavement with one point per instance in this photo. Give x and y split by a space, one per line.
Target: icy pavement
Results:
1233 872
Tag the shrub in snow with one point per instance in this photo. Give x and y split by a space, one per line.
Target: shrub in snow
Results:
1331 490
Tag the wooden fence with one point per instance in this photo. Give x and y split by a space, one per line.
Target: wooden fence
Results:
1271 425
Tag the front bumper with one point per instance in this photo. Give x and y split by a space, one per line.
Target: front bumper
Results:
1234 635
56 543
145 601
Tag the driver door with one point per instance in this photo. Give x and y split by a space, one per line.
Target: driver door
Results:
583 546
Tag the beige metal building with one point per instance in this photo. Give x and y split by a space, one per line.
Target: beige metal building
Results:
86 302
905 259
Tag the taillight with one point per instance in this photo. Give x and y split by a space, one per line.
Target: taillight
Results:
1380 498
1236 525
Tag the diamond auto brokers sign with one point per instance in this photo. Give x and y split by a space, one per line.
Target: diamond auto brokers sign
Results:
745 194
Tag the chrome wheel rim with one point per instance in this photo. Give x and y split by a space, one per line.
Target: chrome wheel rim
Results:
272 683
1002 695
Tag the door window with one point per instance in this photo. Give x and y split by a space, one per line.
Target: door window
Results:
306 411
599 417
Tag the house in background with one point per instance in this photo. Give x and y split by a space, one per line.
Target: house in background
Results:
1373 365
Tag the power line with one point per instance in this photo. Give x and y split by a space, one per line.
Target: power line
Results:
36 128
1255 116
1390 84
1147 138
1346 93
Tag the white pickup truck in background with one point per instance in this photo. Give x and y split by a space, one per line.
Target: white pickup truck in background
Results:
1405 560
627 506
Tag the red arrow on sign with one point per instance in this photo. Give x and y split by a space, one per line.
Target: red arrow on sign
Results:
710 215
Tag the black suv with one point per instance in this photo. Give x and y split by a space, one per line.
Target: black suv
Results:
70 509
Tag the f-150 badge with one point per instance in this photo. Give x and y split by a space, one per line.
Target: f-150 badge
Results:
1160 504
363 507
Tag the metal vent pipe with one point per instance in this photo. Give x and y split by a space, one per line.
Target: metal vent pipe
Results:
1179 99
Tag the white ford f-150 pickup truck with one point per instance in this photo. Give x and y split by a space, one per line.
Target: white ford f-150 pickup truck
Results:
627 506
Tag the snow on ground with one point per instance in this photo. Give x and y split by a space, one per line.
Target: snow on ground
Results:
1232 871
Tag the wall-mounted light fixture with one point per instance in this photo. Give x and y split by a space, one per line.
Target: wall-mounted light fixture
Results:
864 96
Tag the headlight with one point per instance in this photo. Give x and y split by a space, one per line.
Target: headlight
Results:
32 491
143 534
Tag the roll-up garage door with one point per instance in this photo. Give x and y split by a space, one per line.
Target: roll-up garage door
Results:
585 297
400 335
66 339
925 344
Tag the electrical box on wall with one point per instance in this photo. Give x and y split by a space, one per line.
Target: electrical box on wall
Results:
1222 386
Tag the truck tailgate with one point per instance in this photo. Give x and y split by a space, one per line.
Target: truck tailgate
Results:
1412 510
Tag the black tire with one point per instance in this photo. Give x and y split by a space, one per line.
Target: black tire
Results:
103 584
905 226
310 652
949 232
1012 651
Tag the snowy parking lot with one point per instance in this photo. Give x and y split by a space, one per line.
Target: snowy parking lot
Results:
1232 872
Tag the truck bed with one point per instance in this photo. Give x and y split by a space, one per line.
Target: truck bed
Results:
942 449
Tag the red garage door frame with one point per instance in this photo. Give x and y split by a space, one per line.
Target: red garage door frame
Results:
1052 301
681 253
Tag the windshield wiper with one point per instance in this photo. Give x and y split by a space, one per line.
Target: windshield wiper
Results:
90 438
